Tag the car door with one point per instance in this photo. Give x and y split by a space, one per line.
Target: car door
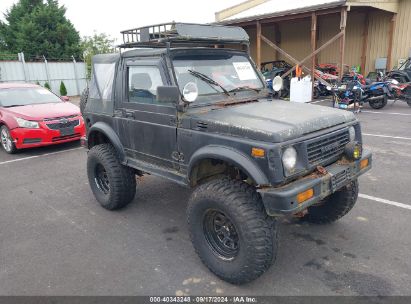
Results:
150 126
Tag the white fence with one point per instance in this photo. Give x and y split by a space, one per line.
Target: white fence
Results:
73 74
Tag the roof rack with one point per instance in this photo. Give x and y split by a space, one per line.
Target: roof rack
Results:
183 34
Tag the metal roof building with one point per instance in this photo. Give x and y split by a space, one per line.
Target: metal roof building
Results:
353 32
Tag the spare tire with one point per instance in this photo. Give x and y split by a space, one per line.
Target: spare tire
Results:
83 100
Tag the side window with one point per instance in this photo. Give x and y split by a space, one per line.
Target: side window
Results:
142 83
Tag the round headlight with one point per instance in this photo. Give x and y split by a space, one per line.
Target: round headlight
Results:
351 132
289 158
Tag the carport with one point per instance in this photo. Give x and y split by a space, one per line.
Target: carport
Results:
342 32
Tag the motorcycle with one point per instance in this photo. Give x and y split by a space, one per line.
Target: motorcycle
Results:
355 94
401 91
347 96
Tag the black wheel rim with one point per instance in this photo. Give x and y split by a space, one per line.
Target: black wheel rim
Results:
221 234
101 179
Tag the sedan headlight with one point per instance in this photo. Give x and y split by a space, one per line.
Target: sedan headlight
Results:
351 132
27 123
289 158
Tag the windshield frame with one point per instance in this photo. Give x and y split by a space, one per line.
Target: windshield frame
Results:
219 96
17 88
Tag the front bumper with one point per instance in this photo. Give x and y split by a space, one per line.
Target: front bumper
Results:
43 136
283 200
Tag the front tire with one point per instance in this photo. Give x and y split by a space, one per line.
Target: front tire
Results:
334 206
113 184
230 230
7 141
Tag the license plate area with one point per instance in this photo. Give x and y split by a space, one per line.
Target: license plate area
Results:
67 131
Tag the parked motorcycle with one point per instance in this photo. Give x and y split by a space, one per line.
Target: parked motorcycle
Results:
348 95
401 91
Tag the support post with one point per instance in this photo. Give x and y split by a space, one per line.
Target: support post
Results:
76 75
258 44
23 65
277 39
313 48
47 70
391 40
343 24
365 43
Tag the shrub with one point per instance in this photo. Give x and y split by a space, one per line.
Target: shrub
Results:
63 90
47 86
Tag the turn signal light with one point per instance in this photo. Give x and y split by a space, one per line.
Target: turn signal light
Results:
257 152
306 195
364 163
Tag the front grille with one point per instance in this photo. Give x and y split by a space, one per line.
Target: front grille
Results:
61 125
59 138
325 148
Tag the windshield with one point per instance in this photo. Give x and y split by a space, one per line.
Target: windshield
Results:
26 96
216 74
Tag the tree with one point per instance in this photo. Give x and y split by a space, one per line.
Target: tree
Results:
99 43
37 28
63 90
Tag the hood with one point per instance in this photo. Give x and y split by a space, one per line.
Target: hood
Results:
269 121
44 110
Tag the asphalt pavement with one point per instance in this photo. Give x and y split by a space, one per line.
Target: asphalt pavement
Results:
56 240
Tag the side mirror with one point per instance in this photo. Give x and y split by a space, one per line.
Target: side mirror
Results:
168 94
65 98
190 92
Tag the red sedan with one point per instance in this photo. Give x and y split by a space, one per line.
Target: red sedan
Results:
31 116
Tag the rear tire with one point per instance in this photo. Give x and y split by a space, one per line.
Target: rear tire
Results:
113 184
7 141
230 230
335 206
379 104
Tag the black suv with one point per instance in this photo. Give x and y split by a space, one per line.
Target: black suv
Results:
186 107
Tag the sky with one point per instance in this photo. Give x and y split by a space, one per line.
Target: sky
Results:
111 17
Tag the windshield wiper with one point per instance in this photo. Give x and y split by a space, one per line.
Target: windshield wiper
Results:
243 88
208 80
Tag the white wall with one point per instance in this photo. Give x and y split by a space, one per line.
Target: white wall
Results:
16 71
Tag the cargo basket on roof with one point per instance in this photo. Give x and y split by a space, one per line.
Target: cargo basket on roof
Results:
183 35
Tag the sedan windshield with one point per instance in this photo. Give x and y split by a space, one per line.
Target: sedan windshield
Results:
216 73
26 96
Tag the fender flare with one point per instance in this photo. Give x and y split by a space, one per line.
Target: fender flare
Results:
231 156
108 131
